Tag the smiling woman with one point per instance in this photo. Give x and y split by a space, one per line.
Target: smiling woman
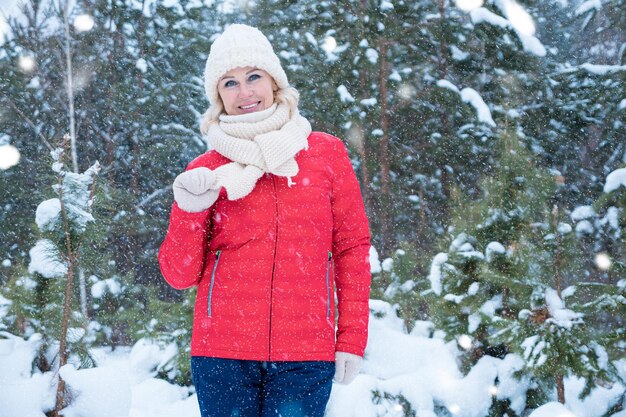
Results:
268 225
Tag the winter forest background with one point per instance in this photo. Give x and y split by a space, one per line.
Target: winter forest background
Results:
489 139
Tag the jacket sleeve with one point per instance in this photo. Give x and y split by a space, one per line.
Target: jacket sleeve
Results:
181 255
351 245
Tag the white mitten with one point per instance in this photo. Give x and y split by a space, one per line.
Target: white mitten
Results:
193 190
347 367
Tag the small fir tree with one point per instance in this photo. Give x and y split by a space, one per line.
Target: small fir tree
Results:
554 330
502 285
63 222
487 256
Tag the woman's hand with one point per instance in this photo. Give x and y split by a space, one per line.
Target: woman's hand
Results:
347 367
193 190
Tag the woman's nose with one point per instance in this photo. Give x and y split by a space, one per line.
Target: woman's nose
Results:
244 90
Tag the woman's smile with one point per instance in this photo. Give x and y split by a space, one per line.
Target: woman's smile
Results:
249 108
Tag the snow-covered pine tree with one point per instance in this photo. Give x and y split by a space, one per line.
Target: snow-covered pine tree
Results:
512 265
26 124
611 206
576 123
609 261
415 88
476 279
554 329
63 222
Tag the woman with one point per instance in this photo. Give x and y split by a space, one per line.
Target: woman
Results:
268 225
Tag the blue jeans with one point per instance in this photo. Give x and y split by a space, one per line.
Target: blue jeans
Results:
242 388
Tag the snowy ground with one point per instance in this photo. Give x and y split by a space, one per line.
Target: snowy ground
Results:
418 366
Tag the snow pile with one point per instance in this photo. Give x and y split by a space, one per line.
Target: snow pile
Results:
22 395
147 358
552 409
400 369
145 395
96 392
129 376
424 372
597 403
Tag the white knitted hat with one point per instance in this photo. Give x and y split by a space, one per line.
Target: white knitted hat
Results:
241 46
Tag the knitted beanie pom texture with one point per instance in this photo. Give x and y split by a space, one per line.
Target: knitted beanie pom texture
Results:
241 46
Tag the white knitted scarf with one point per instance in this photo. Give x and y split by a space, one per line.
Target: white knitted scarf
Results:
257 143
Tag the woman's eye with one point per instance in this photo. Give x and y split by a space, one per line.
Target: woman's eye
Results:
230 83
254 77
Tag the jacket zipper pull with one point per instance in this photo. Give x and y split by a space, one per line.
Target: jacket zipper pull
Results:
210 295
328 294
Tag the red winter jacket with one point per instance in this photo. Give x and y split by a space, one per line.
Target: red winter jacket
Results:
267 265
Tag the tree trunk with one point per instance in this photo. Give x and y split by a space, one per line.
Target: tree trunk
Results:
72 117
83 293
363 155
444 122
422 221
67 307
560 388
557 254
70 84
505 302
71 261
560 385
385 214
363 148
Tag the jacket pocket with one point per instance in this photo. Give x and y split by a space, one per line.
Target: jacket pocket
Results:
328 292
217 260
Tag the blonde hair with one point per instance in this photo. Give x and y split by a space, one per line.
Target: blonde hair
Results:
288 96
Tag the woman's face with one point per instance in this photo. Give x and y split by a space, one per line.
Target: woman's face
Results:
246 90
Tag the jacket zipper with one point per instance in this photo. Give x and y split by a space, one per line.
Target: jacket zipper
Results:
217 259
269 352
330 255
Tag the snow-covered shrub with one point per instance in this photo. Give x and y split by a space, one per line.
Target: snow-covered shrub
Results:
512 281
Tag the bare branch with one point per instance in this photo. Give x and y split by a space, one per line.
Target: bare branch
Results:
152 196
30 122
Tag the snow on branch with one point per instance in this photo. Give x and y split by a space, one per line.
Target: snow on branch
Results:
530 43
588 5
602 69
473 98
615 180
